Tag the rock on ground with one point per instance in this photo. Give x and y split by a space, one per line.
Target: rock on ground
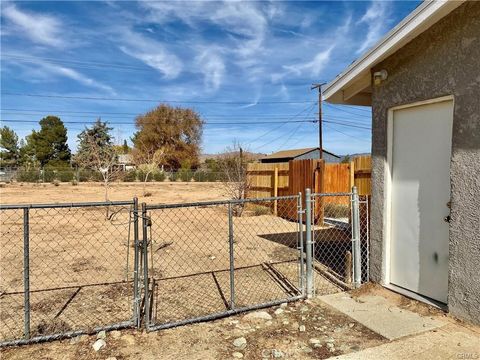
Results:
240 342
99 344
237 355
258 315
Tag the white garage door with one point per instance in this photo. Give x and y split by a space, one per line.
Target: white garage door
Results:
420 192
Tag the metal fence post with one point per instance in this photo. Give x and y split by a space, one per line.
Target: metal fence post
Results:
145 264
309 243
26 271
356 248
232 258
301 273
136 295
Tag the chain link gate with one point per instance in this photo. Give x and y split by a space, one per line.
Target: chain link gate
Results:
66 269
207 260
340 241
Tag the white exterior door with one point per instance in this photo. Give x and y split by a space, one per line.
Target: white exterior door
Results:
421 141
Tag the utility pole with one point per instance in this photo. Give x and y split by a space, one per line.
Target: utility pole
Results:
320 131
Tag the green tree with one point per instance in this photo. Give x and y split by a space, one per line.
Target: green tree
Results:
50 143
9 150
177 129
346 159
125 147
96 136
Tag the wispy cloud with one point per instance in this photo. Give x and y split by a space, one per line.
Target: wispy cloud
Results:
151 52
375 19
313 67
40 28
38 69
211 64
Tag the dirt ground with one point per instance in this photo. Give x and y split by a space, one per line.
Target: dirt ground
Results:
81 259
301 330
161 192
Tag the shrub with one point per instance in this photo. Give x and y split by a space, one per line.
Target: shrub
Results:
65 175
259 210
47 175
336 211
28 175
141 176
185 175
207 176
159 176
129 176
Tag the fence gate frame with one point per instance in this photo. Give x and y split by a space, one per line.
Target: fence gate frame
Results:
27 268
354 226
145 300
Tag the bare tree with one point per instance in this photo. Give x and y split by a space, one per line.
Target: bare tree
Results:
99 157
148 160
233 164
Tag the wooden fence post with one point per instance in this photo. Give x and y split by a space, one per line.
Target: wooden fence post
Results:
352 175
275 189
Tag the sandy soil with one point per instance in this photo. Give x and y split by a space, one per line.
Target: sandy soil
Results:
81 260
333 333
161 192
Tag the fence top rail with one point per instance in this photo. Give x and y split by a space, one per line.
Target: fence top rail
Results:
218 202
333 194
65 205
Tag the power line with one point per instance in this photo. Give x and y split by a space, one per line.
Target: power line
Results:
276 115
348 112
205 122
288 139
234 117
80 64
274 129
154 100
348 124
341 132
277 138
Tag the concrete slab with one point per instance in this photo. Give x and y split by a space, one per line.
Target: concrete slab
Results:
377 314
449 342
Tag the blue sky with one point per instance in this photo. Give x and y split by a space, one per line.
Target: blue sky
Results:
232 61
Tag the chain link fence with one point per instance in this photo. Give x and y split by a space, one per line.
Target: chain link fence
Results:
69 269
64 269
333 219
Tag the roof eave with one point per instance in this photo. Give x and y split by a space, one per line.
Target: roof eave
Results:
352 87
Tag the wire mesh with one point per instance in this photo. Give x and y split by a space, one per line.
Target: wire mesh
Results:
332 232
209 258
80 265
267 256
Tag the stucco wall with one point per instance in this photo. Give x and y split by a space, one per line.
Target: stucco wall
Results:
445 60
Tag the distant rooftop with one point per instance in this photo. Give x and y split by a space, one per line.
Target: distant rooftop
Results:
293 153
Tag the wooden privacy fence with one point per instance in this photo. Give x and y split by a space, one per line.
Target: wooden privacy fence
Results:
277 179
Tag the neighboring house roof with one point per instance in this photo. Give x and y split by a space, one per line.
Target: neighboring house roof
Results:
291 154
125 159
353 86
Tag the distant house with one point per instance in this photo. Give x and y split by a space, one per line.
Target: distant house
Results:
126 162
300 154
422 81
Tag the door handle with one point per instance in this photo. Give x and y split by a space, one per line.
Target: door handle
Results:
447 218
